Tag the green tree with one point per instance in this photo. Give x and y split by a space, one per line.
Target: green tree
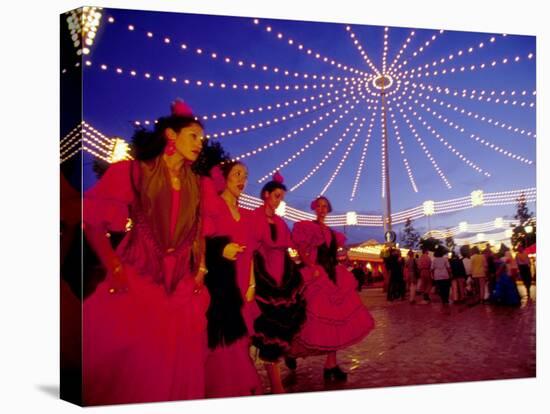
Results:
525 218
409 236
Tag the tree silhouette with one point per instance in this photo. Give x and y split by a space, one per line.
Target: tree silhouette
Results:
409 236
525 218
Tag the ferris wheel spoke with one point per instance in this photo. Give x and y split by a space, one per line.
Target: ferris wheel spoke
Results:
402 150
239 63
453 56
327 155
308 51
448 146
423 146
422 48
482 118
467 68
502 97
364 55
475 137
401 51
344 112
288 116
363 155
295 133
344 157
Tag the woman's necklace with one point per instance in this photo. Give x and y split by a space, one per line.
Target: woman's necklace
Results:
175 179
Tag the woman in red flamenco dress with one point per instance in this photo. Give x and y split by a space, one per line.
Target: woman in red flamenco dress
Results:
144 326
230 371
335 316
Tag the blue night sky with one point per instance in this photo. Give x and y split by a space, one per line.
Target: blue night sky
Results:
113 102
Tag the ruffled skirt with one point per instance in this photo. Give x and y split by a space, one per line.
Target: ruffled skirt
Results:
230 371
335 316
282 307
144 345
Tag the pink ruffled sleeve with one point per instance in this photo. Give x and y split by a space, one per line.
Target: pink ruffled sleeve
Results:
306 235
106 203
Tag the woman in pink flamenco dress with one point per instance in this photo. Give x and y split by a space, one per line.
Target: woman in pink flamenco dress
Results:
279 284
230 371
335 316
144 327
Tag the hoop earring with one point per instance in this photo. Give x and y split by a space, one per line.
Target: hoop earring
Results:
170 148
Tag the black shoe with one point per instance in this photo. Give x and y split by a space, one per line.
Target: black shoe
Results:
338 374
334 373
290 363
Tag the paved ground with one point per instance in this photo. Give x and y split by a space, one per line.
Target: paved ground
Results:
424 344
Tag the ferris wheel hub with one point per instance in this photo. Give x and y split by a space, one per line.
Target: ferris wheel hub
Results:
383 82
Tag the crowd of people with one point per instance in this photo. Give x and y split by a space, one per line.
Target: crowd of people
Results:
197 280
474 277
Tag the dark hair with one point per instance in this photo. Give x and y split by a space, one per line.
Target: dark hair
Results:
475 250
272 186
314 202
212 154
147 145
439 252
226 167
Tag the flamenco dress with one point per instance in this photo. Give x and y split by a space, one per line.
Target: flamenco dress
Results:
335 316
279 288
230 370
150 343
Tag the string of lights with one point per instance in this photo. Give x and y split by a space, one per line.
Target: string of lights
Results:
423 146
451 148
83 24
420 50
325 157
309 52
344 157
483 118
471 68
489 96
70 135
440 207
69 143
218 56
401 51
475 137
364 55
456 54
270 106
212 84
363 155
402 151
279 119
305 147
385 49
70 149
294 132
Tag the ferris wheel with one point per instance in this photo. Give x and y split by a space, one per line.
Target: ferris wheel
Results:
339 110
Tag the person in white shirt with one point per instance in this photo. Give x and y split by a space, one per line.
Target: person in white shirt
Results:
441 271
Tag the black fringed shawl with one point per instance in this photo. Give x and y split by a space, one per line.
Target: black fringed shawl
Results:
225 320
